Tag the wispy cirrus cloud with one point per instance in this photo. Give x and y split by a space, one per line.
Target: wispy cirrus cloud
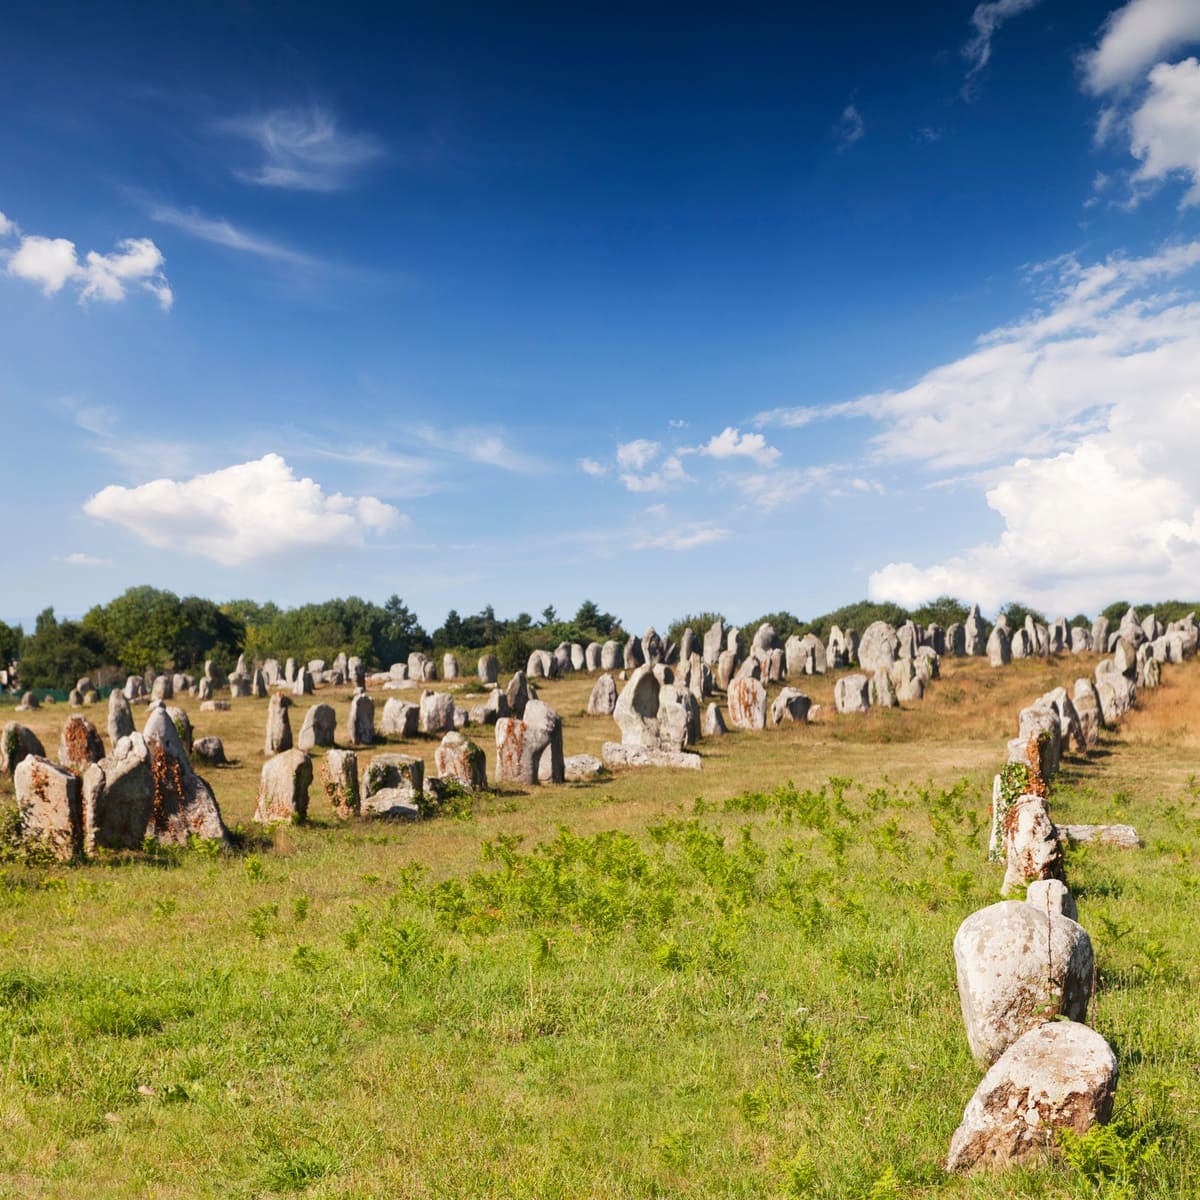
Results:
221 232
302 148
985 21
850 127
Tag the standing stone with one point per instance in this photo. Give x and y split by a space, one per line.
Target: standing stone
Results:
881 693
908 639
1061 1075
356 672
450 669
320 722
689 644
75 698
458 758
520 745
999 651
652 648
678 718
634 655
289 671
204 690
636 709
120 717
518 694
973 641
437 712
747 704
495 707
774 666
563 664
726 669
118 797
239 686
184 805
610 656
956 640
852 694
877 649
603 699
362 719
489 669
591 656
714 723
790 708
17 743
765 640
303 685
283 788
1116 694
258 685
50 808
393 787
578 657
1019 646
163 689
1031 845
79 744
279 726
1100 630
400 719
1018 967
714 642
339 778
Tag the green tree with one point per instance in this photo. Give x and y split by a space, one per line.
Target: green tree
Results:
513 651
1015 614
10 643
140 628
944 611
698 623
58 653
783 622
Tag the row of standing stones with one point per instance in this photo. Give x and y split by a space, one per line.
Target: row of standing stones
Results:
1026 968
657 712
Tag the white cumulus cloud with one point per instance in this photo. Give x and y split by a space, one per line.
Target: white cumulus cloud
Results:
255 510
732 443
1137 36
1165 129
1085 418
52 263
637 455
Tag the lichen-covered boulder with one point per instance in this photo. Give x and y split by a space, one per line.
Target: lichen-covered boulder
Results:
459 759
852 694
1031 844
578 768
283 788
521 743
49 804
118 797
437 712
393 786
80 744
211 751
18 742
747 704
339 779
617 754
1061 1075
184 805
1018 966
401 719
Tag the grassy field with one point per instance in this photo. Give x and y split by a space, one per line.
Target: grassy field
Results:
738 983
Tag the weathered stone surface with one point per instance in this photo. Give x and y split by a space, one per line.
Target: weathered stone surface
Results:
747 704
1018 967
852 694
79 744
184 804
689 644
279 725
437 712
489 669
392 787
320 724
135 687
956 640
610 656
517 693
339 781
211 751
1081 640
1031 845
1123 836
973 633
1087 712
790 707
714 723
50 806
258 685
726 669
878 646
215 706
204 690
494 707
881 692
459 759
1061 1075
362 719
1051 896
450 667
617 755
591 656
564 664
773 666
603 699
909 684
999 649
400 718
1116 694
636 709
75 698
908 639
1150 675
283 788
164 689
118 797
1125 658
633 656
678 718
18 742
580 768
521 744
1019 645
714 642
1039 739
303 685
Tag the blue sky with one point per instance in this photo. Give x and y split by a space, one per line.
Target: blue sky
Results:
677 310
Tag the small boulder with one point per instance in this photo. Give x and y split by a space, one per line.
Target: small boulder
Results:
401 719
714 723
437 712
852 694
790 708
210 751
461 760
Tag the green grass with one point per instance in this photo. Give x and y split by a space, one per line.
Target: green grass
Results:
729 985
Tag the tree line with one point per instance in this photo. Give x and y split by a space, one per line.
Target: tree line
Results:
151 628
